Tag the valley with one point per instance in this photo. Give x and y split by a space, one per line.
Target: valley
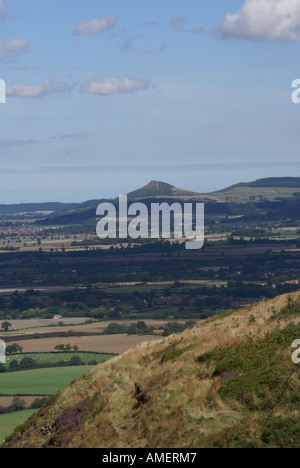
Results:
69 301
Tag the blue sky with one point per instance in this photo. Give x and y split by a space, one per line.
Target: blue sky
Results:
104 96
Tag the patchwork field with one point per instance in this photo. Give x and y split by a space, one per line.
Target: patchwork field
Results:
50 326
35 323
52 358
117 344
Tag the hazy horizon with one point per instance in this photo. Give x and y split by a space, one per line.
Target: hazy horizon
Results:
115 95
132 188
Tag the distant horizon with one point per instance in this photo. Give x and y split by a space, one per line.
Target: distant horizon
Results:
142 186
119 93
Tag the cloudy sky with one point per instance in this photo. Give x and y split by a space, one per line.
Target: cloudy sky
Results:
104 96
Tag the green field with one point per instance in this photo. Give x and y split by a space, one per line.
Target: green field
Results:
39 381
245 192
9 421
52 358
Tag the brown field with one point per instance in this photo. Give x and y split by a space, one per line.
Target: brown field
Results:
34 323
7 401
50 326
102 344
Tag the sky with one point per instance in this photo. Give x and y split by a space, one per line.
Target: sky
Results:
102 97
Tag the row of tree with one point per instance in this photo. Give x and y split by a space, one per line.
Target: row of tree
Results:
19 405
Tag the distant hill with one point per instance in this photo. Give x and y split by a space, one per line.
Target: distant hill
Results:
156 189
229 382
33 208
76 214
288 182
262 190
269 189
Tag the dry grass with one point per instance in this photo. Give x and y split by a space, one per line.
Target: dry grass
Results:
184 404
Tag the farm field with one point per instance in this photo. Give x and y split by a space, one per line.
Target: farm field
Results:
46 325
42 289
52 358
9 421
117 344
8 400
23 324
39 381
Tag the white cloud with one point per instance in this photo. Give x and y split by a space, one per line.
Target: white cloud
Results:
264 19
108 86
47 88
13 47
96 26
178 23
6 143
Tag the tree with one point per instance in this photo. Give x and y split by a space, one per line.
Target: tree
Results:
27 363
38 403
13 366
142 326
60 347
133 329
14 349
18 404
5 326
76 361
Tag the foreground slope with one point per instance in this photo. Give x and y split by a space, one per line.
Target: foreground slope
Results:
228 382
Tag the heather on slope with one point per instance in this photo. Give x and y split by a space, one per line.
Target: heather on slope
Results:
228 382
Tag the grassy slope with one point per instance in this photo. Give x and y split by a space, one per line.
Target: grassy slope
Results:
268 193
270 189
228 382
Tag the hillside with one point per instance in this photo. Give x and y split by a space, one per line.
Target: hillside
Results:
156 189
262 190
271 189
21 208
228 382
